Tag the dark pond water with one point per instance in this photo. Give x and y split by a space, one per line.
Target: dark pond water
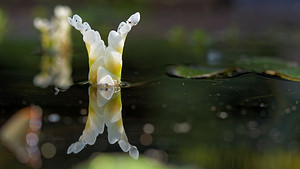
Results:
248 121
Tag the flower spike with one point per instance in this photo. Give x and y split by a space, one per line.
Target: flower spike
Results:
105 61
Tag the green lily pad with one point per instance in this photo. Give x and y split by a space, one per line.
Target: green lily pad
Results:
197 72
261 65
271 66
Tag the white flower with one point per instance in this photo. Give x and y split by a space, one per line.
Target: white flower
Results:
105 62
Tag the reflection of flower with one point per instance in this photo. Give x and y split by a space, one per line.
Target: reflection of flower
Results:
104 109
56 43
105 62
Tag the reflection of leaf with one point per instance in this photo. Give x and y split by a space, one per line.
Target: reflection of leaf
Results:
269 66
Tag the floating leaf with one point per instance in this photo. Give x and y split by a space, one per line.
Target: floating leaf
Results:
261 65
195 72
271 66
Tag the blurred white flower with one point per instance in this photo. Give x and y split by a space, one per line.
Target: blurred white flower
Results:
56 43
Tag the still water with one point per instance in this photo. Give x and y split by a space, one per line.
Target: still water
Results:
249 121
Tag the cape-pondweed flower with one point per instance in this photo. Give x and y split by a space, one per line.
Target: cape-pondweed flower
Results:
105 63
56 44
105 109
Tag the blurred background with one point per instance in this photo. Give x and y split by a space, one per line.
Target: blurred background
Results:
245 122
237 27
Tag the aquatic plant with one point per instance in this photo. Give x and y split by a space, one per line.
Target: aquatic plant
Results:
104 109
56 44
105 63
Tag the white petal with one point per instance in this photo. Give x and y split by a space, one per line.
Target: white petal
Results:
79 26
134 19
102 72
124 145
70 149
106 94
114 133
120 26
99 62
100 126
98 37
112 115
89 137
97 49
101 101
78 146
89 36
134 152
115 40
71 21
77 18
86 26
97 120
112 60
107 80
124 29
